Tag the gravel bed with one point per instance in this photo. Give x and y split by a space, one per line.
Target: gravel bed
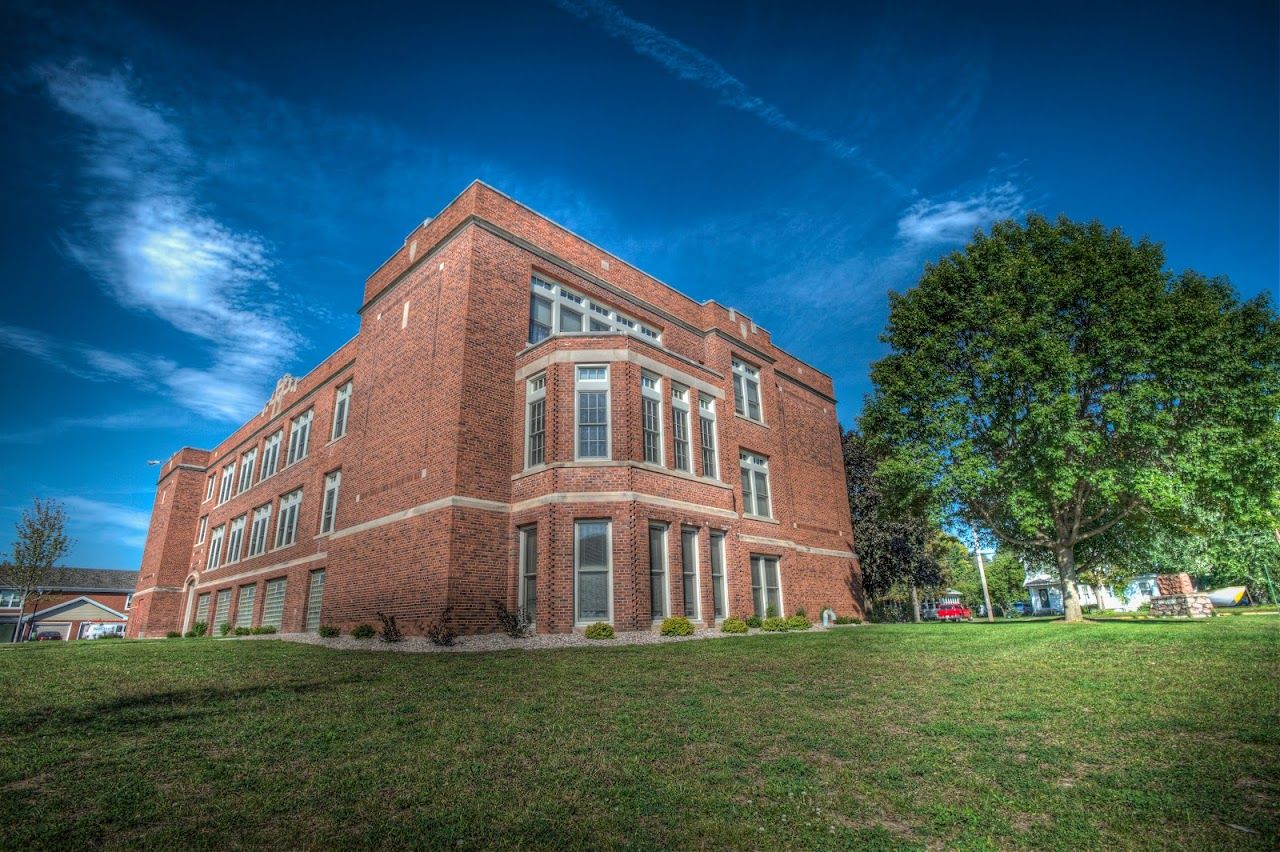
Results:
503 642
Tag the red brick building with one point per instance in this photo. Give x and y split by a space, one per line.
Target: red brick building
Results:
522 417
71 603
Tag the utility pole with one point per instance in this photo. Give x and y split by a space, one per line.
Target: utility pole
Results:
982 573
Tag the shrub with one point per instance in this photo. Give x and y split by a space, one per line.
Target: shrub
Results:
514 623
199 628
243 631
362 631
441 632
599 630
224 628
848 619
800 612
798 622
190 634
774 624
676 625
173 634
390 631
753 621
771 611
329 631
261 631
733 625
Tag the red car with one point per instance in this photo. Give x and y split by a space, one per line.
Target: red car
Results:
954 612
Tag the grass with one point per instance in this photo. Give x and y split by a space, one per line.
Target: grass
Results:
1008 735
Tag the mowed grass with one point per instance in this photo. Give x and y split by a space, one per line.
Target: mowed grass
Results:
1013 735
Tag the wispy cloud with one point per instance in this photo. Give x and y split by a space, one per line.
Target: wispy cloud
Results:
688 63
156 249
124 421
931 222
126 524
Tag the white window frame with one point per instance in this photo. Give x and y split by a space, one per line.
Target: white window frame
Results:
663 529
762 560
708 449
245 618
221 606
651 394
300 436
202 529
211 487
596 318
753 466
287 519
10 598
716 541
341 411
314 613
680 422
535 393
271 453
281 583
592 385
746 378
685 534
528 534
215 547
235 539
329 504
577 569
247 462
259 530
227 485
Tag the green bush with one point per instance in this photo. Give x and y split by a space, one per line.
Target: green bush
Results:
676 625
362 631
753 621
848 619
173 634
599 630
774 624
243 631
224 628
800 612
260 631
798 622
771 611
190 634
733 625
199 628
328 631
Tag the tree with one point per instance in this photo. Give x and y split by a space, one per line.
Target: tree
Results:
1055 383
893 547
40 540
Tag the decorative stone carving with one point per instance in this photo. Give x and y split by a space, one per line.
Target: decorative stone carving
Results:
286 384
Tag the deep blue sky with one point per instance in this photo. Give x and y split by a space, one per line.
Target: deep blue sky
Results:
194 194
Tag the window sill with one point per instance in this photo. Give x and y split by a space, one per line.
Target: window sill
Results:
333 441
747 419
747 516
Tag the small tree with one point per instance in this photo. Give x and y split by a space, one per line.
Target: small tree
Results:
40 541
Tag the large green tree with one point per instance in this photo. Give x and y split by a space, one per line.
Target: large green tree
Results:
1054 381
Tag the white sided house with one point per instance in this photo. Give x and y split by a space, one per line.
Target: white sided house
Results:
1045 591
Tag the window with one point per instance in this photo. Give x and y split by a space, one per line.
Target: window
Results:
341 404
651 416
659 591
299 437
755 484
244 606
271 455
707 436
128 602
315 597
209 486
329 512
746 390
287 525
258 532
764 586
223 610
591 562
719 589
215 548
535 443
689 564
593 412
203 528
555 309
246 470
235 539
273 603
228 479
529 572
10 598
202 609
680 427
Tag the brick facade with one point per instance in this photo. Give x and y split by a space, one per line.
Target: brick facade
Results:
435 489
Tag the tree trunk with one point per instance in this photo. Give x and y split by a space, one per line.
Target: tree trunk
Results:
915 603
1065 556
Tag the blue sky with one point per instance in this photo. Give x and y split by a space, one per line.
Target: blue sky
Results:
194 193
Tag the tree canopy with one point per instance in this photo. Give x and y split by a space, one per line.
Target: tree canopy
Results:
1054 382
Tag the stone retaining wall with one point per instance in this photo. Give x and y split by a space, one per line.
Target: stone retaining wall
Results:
1193 605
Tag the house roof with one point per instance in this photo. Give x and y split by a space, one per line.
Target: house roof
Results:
76 603
90 579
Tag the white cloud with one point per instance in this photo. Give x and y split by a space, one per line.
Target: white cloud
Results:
118 422
157 250
125 523
928 222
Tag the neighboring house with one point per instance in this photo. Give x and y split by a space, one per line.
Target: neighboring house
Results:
1045 591
75 603
929 606
522 418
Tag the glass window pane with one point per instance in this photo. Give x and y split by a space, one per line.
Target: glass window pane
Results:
689 563
593 595
570 320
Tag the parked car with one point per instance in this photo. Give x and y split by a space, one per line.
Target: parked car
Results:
1021 608
48 636
954 612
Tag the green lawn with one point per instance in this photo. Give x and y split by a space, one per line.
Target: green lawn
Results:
1018 734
